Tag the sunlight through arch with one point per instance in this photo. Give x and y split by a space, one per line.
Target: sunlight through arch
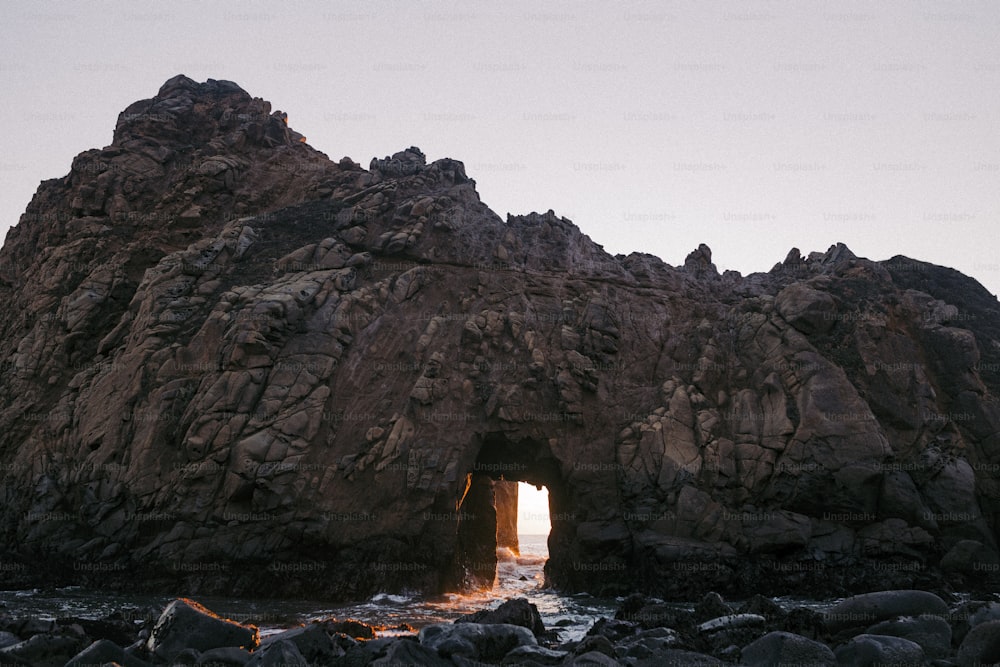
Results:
532 510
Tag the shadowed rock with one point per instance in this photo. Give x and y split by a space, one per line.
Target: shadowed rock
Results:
185 624
517 611
233 365
786 648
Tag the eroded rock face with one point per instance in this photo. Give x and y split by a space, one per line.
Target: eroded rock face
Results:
231 364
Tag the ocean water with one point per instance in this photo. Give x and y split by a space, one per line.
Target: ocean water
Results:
517 576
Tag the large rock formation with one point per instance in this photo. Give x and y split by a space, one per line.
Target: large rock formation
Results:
231 364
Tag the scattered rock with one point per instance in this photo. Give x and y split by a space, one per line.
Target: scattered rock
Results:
404 652
534 655
595 644
226 656
313 641
862 611
594 659
711 606
686 658
517 611
351 628
766 607
186 624
731 621
932 633
103 651
278 654
981 645
777 648
42 650
873 650
475 641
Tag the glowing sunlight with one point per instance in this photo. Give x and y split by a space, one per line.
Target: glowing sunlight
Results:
532 510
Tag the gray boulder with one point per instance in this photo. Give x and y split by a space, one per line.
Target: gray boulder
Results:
862 611
686 658
933 633
475 641
981 646
278 654
104 650
186 624
32 626
405 652
970 557
649 645
313 642
875 650
534 655
226 656
595 659
989 611
517 611
44 650
592 643
787 648
711 606
186 658
969 614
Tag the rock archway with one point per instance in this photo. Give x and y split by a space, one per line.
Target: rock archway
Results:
487 514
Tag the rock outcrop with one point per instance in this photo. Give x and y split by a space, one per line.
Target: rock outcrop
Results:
233 365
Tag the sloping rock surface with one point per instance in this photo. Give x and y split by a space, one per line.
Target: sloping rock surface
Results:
233 365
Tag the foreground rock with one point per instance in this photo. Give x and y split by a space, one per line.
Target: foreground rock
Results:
512 612
105 651
745 639
786 648
44 650
981 646
867 649
864 610
185 624
198 316
488 643
932 633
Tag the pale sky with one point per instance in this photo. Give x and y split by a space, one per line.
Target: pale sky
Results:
532 510
752 126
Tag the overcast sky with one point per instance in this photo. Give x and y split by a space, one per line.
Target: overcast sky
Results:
750 126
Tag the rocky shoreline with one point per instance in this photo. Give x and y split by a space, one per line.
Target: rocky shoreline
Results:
897 627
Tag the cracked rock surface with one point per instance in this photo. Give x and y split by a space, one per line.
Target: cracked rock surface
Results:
232 365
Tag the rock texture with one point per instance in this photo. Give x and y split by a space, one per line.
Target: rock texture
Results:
233 365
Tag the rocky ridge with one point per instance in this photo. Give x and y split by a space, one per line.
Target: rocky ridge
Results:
233 365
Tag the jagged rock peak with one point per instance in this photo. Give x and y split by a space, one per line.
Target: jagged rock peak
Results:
187 112
839 252
700 261
535 218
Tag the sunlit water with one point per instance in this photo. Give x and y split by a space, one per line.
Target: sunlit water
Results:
517 576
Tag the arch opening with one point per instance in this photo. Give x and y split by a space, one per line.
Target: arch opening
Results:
492 517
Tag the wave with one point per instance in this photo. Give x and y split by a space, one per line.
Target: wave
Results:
531 559
505 554
389 599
